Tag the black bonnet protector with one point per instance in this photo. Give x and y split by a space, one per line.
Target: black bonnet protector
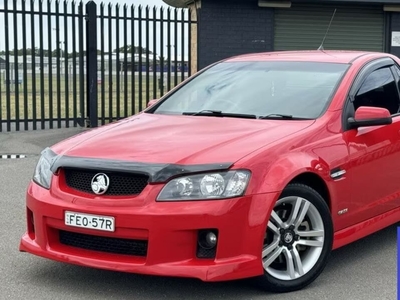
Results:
157 172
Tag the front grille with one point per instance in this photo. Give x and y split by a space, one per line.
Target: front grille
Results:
120 183
104 244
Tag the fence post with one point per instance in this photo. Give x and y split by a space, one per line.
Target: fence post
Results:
91 64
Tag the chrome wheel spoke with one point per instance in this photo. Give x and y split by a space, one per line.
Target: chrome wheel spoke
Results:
289 264
297 261
302 213
271 258
293 263
270 248
311 233
273 227
295 211
276 218
310 243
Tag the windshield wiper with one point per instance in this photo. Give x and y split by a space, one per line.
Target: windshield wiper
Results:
282 116
218 113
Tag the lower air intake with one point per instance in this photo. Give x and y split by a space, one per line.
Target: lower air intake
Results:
104 244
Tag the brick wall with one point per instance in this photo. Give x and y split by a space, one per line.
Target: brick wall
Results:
232 27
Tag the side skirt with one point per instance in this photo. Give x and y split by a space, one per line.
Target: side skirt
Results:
363 229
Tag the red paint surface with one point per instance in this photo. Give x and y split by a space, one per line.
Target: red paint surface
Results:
366 113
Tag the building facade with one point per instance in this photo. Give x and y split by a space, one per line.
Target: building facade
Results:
231 27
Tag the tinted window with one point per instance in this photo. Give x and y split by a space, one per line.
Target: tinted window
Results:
396 68
379 90
301 89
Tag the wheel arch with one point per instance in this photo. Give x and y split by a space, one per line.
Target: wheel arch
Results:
315 182
299 167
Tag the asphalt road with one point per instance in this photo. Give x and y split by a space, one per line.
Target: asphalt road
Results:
366 269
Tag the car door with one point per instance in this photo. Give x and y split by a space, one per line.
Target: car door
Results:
374 152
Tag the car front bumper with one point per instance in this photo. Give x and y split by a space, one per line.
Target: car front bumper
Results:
170 230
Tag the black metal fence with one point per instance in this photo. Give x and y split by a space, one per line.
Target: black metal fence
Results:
66 64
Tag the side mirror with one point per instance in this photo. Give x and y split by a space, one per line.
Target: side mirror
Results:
370 116
152 102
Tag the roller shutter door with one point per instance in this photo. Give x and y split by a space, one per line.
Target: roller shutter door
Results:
302 27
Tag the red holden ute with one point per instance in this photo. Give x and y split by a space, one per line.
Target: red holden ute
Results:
257 167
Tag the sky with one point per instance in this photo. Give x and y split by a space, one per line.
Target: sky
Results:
69 37
150 2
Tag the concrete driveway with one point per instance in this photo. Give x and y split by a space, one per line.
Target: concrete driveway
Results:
363 270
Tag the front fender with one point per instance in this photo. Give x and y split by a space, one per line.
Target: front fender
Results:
274 176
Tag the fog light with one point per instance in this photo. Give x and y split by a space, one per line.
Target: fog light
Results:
211 239
207 243
207 239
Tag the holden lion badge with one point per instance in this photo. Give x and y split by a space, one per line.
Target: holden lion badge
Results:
100 184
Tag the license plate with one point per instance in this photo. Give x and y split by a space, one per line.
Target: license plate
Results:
89 221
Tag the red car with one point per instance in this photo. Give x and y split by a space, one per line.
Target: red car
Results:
258 166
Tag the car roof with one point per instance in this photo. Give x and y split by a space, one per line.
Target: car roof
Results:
330 56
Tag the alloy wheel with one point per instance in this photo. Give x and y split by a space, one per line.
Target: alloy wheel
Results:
294 239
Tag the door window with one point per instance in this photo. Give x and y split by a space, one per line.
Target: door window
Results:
379 90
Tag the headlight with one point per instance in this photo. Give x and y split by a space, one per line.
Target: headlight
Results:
43 173
206 186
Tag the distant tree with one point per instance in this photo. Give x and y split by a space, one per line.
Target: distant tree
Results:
136 50
76 53
28 51
59 52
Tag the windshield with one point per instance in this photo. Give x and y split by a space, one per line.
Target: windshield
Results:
298 89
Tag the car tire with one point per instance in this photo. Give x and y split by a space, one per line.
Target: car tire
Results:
310 248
